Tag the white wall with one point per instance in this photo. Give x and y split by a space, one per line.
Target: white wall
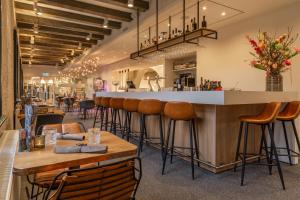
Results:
225 58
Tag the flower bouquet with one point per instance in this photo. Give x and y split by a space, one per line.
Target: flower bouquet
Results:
272 54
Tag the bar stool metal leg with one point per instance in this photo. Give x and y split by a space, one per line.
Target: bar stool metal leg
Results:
173 139
192 150
244 154
142 129
196 143
238 146
166 147
271 132
264 143
161 136
287 142
296 134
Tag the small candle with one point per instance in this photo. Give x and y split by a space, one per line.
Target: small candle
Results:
39 142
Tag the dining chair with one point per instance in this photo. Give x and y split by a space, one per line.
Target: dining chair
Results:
75 127
113 181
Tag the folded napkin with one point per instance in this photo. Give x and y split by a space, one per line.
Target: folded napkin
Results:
80 149
69 136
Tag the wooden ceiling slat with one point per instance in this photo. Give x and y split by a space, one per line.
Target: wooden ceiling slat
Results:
138 4
54 41
61 31
87 8
46 46
61 24
23 32
63 15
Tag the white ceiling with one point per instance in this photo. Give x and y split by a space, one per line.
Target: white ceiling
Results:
122 43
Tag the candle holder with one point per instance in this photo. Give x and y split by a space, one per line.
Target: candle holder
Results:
39 142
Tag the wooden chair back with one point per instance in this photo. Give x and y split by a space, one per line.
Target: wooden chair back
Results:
109 182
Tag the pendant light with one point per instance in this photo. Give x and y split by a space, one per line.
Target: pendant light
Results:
88 37
105 23
130 3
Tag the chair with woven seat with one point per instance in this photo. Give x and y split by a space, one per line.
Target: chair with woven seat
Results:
113 181
86 106
265 120
44 119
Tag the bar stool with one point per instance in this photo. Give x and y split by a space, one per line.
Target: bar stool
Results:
265 119
98 110
181 111
289 114
130 106
105 113
116 104
150 107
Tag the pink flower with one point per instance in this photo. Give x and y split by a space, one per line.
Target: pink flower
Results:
297 50
253 63
287 63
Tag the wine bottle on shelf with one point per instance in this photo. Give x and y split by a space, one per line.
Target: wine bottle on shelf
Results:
176 33
173 33
187 29
195 25
201 84
204 23
192 22
141 46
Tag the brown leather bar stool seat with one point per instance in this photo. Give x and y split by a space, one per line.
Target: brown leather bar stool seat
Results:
180 111
265 120
289 114
98 110
150 107
116 104
104 121
130 106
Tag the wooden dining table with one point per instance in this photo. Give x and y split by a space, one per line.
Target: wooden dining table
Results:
27 163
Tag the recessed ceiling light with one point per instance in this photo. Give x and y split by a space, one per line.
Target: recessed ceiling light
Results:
130 3
204 8
223 13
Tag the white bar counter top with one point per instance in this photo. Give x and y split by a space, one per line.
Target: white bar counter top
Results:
209 97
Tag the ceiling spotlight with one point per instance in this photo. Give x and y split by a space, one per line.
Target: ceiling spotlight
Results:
223 13
88 38
72 52
29 62
36 9
62 60
32 40
80 45
130 3
204 8
105 23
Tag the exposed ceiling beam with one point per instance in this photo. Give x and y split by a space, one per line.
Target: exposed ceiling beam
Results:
42 50
27 9
23 32
138 4
54 41
61 31
46 46
99 11
60 24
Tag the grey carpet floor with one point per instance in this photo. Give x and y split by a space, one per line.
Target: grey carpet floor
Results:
177 184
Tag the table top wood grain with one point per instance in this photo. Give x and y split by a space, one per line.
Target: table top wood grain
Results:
27 163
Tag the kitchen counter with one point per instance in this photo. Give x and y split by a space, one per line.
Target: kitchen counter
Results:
217 123
209 97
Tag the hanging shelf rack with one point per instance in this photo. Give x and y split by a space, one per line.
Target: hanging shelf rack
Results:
184 38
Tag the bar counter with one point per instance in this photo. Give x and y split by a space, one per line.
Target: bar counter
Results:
217 122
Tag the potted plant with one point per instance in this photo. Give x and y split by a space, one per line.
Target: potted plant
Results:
272 54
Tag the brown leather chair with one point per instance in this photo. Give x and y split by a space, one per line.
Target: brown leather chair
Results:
150 107
265 120
104 121
116 105
181 111
130 106
289 114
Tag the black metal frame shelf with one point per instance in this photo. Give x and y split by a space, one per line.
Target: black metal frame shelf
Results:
186 37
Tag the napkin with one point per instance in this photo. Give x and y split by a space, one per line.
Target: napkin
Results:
80 149
69 136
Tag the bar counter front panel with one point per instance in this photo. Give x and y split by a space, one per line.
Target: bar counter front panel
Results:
217 123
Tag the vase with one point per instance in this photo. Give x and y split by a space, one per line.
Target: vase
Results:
274 82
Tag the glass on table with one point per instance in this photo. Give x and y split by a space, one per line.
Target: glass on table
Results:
50 136
94 136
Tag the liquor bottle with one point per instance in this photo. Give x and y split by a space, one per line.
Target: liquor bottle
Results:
201 84
141 46
187 29
204 23
192 22
176 33
195 25
173 33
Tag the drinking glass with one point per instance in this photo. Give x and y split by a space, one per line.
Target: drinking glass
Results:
50 136
94 136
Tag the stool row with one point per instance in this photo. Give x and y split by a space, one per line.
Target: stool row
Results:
182 111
